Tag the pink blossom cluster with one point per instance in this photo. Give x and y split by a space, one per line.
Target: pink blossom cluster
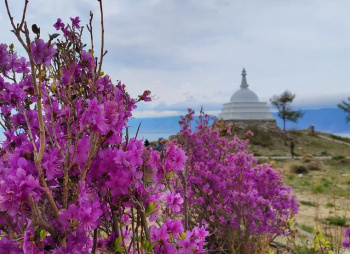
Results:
69 180
227 188
73 181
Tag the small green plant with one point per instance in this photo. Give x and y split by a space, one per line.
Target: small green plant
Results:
307 228
320 243
338 157
291 177
305 183
317 188
326 183
324 153
337 220
330 205
257 154
307 203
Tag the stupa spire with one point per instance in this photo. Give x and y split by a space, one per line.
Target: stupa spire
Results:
244 83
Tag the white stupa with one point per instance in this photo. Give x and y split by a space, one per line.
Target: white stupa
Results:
244 105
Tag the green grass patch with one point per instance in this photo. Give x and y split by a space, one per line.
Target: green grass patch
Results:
317 188
337 220
307 203
291 177
338 157
326 183
330 205
306 228
304 250
305 183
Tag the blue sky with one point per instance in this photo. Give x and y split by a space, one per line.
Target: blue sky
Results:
191 52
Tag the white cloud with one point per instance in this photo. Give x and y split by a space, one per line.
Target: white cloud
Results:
190 53
153 113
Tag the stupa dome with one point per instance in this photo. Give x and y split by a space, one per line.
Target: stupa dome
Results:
244 95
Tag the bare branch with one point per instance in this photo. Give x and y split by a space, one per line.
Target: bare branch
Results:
102 40
138 128
24 14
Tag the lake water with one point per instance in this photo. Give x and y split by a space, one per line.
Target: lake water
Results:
156 136
152 136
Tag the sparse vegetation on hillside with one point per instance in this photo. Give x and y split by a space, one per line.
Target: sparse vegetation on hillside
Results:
313 145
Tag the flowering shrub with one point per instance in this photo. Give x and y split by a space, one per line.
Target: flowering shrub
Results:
69 182
243 204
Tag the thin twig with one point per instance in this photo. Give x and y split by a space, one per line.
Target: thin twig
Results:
138 128
102 39
16 31
24 14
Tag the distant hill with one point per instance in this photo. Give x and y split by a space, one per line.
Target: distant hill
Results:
330 120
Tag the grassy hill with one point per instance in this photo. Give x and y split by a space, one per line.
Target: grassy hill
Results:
265 144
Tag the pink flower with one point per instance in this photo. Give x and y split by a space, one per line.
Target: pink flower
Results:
173 201
59 25
159 234
187 245
75 22
41 53
174 226
250 133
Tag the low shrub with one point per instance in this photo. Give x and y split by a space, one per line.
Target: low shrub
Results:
298 169
307 158
339 159
245 205
324 153
314 165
